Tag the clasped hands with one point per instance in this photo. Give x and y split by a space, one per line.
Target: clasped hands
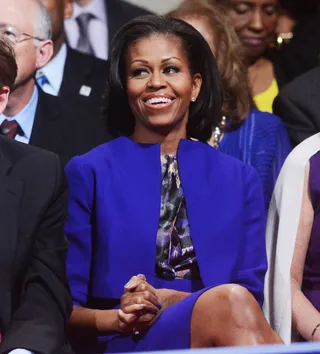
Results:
139 306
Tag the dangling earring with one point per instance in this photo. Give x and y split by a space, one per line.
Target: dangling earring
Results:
193 99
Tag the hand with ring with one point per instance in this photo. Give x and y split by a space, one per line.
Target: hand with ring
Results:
139 306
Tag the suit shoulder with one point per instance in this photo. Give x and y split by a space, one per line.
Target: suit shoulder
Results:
310 79
27 156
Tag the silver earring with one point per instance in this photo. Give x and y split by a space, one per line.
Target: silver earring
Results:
193 99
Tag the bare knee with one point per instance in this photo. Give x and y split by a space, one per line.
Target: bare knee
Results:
234 302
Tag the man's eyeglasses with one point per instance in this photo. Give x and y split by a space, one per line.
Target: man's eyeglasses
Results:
14 36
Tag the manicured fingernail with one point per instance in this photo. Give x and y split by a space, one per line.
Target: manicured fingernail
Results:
128 285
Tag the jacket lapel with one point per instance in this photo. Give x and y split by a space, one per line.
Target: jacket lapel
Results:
75 74
10 195
48 127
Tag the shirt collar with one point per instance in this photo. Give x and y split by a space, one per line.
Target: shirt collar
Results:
26 116
96 7
53 71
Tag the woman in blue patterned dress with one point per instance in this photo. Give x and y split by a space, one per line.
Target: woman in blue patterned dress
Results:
257 138
154 202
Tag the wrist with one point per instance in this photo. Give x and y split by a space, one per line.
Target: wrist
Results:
107 321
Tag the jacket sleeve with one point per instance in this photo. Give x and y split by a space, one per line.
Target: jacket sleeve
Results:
78 229
40 321
297 117
252 264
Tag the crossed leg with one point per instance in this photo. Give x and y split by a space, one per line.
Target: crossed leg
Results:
228 315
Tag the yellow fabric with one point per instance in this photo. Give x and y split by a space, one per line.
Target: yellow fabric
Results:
265 99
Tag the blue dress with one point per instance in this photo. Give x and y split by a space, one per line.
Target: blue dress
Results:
262 142
114 213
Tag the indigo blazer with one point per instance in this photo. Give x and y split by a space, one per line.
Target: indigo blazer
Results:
114 210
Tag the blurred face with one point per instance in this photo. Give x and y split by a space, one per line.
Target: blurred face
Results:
21 16
59 10
160 85
255 22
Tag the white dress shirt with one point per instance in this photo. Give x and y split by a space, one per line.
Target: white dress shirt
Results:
25 118
98 27
53 71
20 351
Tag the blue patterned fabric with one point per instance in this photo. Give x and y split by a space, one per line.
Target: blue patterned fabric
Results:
262 142
175 255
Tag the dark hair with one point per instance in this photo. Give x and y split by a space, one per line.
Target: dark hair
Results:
204 114
8 65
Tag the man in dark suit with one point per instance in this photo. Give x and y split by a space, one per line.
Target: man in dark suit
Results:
298 105
35 301
71 74
63 126
95 22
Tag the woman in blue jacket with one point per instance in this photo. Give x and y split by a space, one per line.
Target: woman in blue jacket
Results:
167 247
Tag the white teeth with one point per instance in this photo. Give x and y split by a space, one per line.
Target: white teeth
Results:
158 100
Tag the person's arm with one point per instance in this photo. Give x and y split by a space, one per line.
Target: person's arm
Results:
39 324
297 118
252 264
305 316
79 233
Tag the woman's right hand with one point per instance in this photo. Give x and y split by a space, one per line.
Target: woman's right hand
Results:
139 306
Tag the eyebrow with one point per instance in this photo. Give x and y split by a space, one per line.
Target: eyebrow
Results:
162 61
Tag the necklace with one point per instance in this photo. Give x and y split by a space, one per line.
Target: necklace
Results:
218 132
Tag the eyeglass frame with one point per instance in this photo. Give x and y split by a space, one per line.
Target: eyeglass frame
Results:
29 36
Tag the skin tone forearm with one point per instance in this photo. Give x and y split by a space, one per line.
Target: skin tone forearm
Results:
305 316
106 322
100 322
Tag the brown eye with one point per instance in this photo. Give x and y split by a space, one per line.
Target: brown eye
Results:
171 70
140 72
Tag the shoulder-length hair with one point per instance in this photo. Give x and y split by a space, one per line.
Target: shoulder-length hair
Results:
204 114
230 60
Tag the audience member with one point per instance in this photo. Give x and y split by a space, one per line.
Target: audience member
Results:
35 301
298 106
256 138
163 89
255 22
32 116
292 295
71 74
301 53
95 22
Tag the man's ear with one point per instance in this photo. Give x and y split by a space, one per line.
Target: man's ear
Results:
68 9
44 53
4 97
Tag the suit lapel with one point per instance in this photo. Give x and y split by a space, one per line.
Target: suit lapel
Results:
10 196
75 73
115 18
48 126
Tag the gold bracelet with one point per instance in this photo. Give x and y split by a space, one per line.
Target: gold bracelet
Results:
314 331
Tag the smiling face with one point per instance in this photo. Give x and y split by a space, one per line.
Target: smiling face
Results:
255 22
160 86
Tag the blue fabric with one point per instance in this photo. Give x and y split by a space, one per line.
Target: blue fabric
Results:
25 118
114 211
262 142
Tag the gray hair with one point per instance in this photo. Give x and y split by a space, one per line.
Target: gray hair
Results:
43 24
